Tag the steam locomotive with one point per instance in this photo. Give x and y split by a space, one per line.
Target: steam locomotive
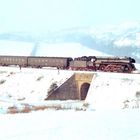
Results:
88 63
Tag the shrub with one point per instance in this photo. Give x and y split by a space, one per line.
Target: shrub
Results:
39 78
2 81
52 87
137 94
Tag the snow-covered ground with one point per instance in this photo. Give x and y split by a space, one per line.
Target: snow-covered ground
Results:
114 91
71 125
29 86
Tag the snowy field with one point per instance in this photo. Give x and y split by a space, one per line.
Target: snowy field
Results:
30 86
71 125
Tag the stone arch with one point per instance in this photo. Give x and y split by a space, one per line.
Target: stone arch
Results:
84 90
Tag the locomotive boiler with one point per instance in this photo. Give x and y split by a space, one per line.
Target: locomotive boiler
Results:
106 64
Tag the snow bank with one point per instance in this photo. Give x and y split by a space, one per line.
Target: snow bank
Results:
27 85
107 90
114 91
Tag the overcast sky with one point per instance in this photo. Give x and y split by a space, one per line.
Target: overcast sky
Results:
47 15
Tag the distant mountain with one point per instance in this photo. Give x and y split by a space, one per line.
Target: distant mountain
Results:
118 40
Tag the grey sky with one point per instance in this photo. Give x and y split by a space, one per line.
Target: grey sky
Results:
44 15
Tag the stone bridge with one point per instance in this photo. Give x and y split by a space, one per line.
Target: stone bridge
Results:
75 88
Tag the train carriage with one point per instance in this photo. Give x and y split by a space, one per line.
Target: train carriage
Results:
13 60
39 62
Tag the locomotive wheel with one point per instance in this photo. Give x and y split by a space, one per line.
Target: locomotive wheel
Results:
127 69
114 68
109 68
102 67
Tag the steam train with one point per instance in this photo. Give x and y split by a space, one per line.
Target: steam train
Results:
88 63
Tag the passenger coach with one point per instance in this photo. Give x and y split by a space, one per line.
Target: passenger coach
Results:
39 62
13 60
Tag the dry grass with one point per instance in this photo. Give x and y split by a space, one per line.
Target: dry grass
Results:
26 108
12 110
36 108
